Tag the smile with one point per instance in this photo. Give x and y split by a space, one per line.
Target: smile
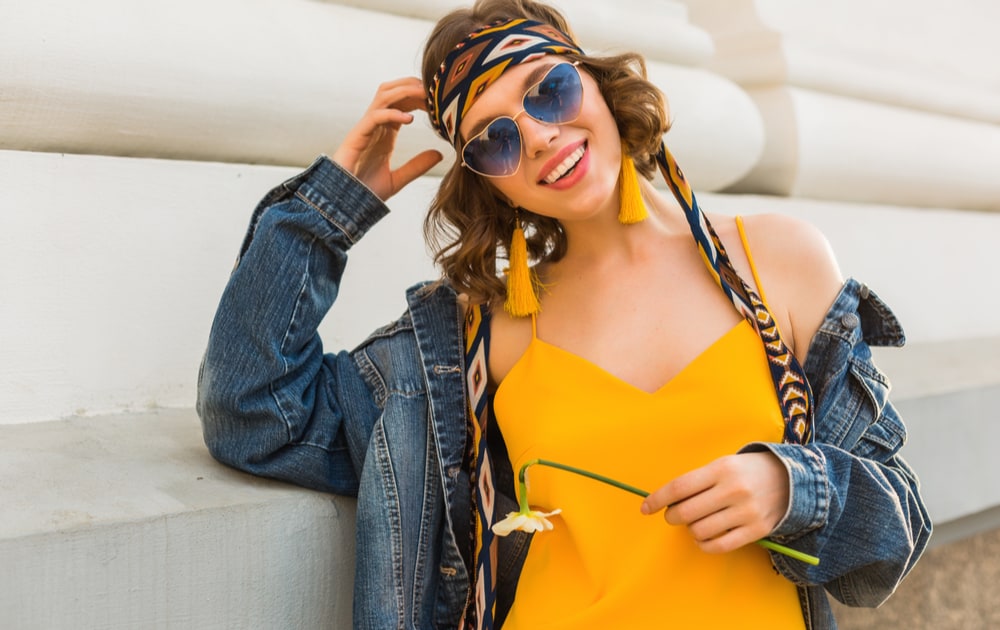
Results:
566 166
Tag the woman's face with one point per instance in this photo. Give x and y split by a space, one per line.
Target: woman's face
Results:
567 171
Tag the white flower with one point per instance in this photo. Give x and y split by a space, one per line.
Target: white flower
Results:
530 521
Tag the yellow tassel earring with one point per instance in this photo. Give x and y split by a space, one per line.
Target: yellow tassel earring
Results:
632 209
522 300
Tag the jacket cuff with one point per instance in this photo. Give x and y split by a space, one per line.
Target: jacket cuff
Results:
347 203
808 492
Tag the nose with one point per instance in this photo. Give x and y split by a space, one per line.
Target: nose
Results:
536 136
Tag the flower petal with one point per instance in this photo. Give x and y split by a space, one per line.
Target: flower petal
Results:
531 521
514 521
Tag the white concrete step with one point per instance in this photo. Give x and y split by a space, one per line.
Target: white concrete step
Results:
127 522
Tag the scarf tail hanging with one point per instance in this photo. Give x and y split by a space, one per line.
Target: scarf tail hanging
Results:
790 383
481 604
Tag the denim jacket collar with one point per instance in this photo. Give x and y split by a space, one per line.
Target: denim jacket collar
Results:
856 306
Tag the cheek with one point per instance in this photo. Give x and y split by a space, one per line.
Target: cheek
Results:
507 189
604 122
501 186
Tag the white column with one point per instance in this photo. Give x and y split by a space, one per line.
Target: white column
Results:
889 102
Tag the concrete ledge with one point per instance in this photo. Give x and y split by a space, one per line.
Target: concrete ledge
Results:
127 522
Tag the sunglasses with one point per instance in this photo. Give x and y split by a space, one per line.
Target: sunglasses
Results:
555 100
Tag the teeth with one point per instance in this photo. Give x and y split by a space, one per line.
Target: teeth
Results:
565 166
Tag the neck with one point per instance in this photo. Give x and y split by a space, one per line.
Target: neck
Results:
603 238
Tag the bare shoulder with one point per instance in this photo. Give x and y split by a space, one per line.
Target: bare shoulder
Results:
509 337
798 268
793 241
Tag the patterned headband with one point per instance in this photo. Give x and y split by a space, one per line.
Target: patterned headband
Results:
479 60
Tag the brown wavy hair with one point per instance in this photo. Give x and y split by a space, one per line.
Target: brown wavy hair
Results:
468 227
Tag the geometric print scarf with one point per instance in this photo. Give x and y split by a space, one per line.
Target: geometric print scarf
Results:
479 60
481 604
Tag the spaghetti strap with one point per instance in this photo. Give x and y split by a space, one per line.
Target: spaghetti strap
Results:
753 267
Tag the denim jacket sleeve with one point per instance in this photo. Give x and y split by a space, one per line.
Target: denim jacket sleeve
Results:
855 502
271 402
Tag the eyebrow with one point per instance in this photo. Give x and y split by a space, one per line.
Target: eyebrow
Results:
529 82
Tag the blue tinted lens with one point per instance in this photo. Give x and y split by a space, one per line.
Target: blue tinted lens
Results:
496 151
557 98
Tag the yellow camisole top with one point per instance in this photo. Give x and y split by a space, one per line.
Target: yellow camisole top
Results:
605 565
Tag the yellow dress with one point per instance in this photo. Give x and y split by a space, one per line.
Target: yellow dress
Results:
605 565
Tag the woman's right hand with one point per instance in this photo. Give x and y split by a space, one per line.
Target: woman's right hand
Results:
368 147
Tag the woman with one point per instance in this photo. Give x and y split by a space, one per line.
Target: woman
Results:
620 351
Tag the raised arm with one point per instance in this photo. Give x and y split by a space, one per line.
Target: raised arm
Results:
271 401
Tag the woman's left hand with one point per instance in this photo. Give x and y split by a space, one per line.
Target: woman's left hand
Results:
733 501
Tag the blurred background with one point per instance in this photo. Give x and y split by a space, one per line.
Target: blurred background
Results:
136 137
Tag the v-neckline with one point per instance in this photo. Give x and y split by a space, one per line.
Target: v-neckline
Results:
535 340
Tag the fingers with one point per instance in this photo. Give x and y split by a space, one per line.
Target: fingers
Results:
679 489
415 167
373 126
725 530
728 503
406 94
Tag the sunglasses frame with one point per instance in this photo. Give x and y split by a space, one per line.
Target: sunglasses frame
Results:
575 65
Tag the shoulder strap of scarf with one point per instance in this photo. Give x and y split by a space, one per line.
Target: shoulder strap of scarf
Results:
481 604
790 383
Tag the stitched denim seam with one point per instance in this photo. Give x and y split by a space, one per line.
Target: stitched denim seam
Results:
326 215
303 286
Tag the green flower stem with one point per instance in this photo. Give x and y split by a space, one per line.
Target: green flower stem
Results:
523 488
791 553
523 502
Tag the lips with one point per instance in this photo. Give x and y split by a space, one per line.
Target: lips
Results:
563 163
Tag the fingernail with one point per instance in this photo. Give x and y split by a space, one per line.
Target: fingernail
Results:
644 508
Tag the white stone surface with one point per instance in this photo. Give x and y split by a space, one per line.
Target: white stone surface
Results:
708 112
280 81
111 268
660 30
824 146
867 102
127 522
272 81
925 54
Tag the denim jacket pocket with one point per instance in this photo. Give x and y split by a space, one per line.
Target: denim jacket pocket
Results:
877 432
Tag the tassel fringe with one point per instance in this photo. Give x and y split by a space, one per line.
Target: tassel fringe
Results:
522 300
632 209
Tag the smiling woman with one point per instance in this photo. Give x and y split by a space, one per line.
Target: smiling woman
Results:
630 336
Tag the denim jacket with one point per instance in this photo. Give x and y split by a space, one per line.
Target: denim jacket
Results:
386 422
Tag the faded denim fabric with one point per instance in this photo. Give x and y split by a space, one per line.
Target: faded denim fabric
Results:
386 422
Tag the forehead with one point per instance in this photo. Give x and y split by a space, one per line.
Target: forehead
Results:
503 94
